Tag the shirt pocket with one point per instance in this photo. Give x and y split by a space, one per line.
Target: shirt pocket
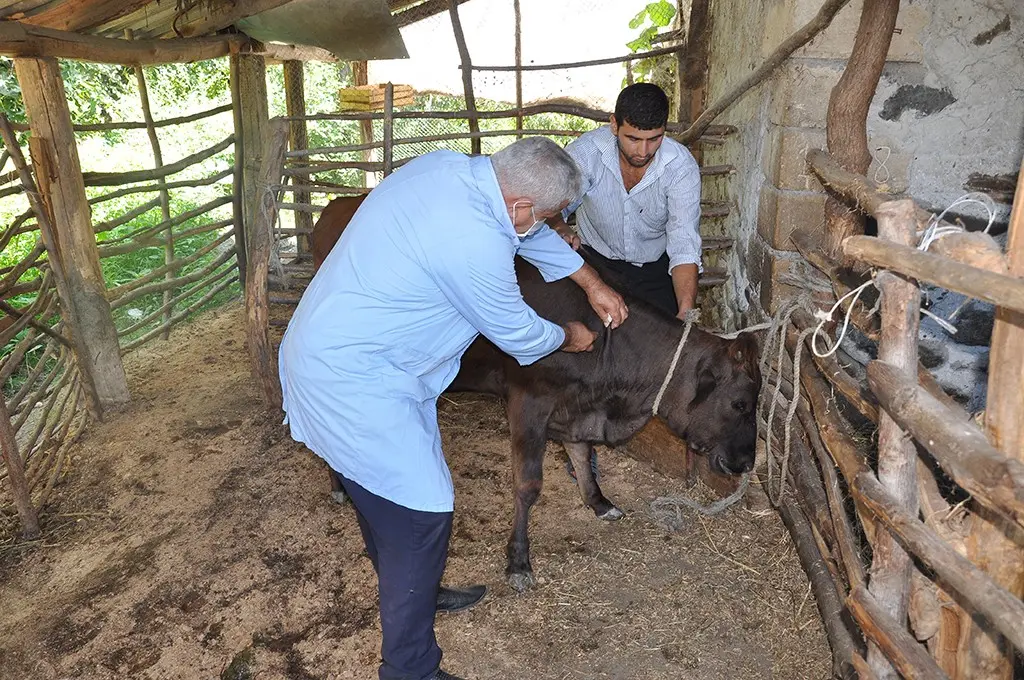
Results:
653 218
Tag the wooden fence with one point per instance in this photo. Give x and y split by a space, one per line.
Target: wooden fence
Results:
45 405
923 605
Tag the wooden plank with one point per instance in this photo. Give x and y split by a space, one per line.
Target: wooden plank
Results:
1004 291
1003 610
891 566
467 73
908 656
958 445
81 15
252 101
66 228
388 128
990 544
23 40
210 16
261 351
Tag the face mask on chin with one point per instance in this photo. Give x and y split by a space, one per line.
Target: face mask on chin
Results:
537 224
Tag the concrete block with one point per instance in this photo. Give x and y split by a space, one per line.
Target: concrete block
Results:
765 265
780 212
785 159
836 41
800 98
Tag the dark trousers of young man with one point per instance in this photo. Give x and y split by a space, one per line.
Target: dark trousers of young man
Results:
408 549
650 282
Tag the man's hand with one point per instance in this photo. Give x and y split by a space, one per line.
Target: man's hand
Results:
608 305
578 338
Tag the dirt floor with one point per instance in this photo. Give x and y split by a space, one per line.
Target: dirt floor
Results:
191 538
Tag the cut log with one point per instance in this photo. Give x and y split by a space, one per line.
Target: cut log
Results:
909 657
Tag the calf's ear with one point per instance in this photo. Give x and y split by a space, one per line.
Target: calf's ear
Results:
743 352
706 381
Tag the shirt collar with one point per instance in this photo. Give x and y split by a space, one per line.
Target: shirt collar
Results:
487 181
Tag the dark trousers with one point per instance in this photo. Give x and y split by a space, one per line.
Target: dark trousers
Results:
408 549
650 282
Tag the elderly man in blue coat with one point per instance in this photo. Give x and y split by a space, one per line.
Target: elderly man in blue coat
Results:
425 265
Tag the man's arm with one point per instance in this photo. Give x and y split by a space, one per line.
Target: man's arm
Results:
683 242
609 305
559 226
684 281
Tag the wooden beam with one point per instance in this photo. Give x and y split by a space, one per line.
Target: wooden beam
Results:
261 350
81 15
891 567
210 16
422 11
252 92
23 40
467 73
16 475
991 545
950 435
910 658
1004 291
238 203
66 228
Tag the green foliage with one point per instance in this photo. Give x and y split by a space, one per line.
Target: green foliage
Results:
172 84
93 90
659 70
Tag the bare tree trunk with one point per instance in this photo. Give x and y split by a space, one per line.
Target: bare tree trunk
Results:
846 121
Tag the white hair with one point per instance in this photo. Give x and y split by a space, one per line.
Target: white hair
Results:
538 169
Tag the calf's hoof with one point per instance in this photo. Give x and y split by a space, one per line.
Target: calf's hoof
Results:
339 497
612 515
522 581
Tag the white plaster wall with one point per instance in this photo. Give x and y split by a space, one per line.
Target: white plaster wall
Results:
983 130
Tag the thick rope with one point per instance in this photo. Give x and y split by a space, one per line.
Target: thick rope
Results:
691 316
668 510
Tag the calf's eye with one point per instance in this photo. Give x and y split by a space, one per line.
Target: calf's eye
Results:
740 406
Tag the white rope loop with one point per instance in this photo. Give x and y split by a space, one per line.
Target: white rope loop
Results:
691 316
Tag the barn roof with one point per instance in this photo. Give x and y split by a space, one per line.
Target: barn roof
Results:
186 30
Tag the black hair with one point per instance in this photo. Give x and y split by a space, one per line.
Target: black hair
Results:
642 105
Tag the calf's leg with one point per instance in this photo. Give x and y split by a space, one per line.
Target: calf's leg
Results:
579 454
527 419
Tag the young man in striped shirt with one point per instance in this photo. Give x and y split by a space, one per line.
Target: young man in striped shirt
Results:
639 212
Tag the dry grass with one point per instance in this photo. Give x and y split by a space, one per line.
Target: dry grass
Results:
192 538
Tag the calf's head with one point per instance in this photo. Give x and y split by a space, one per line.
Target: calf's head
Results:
715 403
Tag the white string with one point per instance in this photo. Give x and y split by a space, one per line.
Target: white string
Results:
881 164
824 317
691 316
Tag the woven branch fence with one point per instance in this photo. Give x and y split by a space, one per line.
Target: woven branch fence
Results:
936 475
45 406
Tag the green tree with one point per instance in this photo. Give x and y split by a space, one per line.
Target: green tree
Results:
650 20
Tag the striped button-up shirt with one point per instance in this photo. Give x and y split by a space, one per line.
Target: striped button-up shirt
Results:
660 214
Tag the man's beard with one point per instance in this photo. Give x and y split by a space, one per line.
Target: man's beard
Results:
633 161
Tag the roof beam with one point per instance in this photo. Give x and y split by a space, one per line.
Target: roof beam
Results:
422 11
209 17
23 40
80 15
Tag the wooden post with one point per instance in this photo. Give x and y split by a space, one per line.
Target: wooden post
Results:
467 73
165 197
389 128
295 95
16 475
846 120
71 243
897 459
237 204
991 544
252 90
361 76
261 350
692 63
519 64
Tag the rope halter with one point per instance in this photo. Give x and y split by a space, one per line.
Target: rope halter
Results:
691 316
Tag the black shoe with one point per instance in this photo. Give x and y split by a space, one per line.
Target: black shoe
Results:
441 675
457 600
